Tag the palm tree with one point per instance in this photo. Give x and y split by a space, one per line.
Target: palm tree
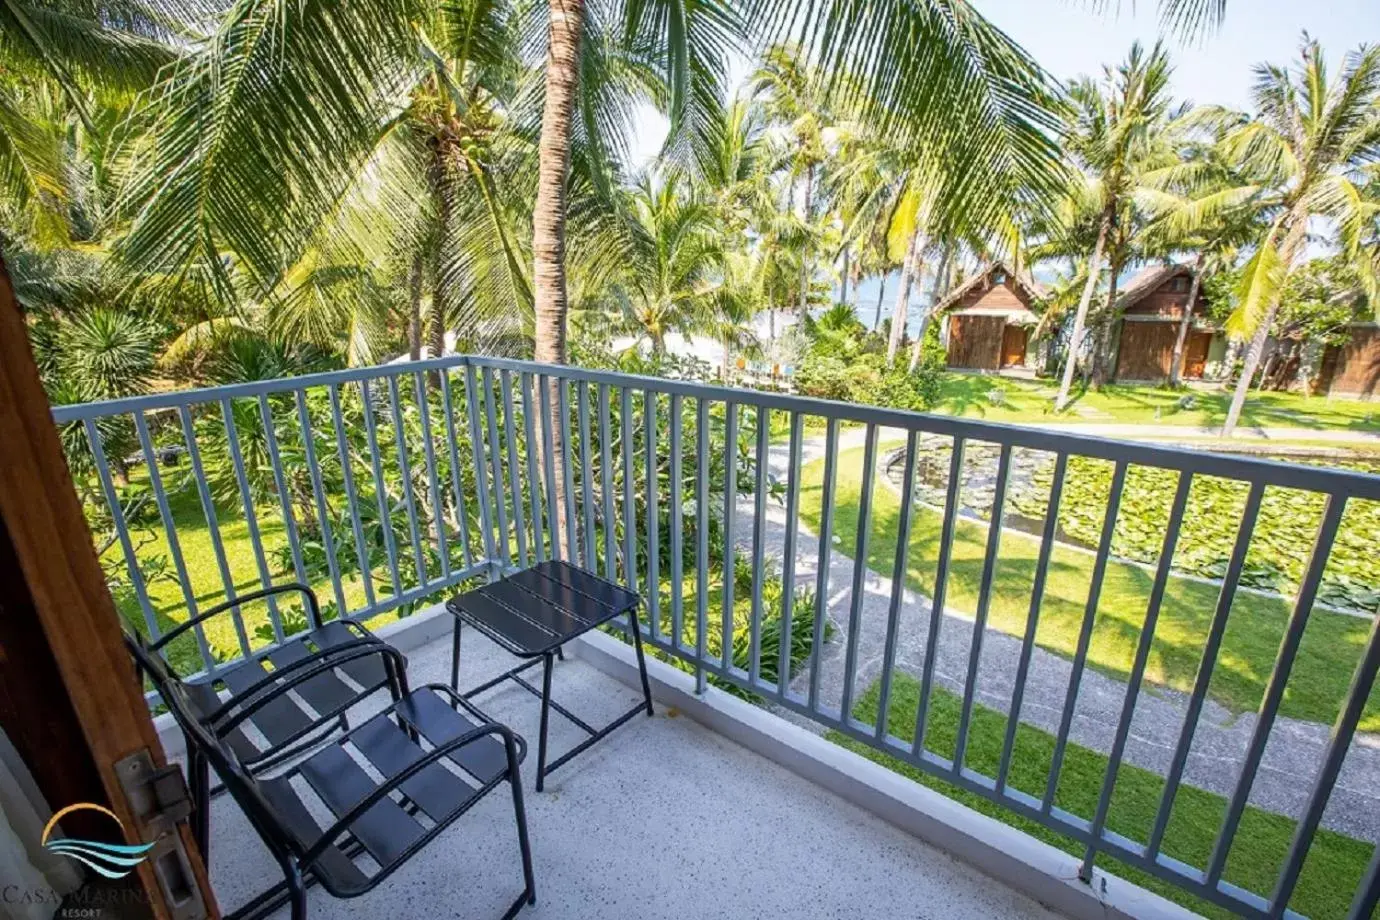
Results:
674 251
1306 150
1117 122
943 283
85 47
732 305
370 139
795 96
922 70
1199 206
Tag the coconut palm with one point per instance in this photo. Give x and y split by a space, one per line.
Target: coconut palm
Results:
795 97
1201 207
1117 123
732 305
367 140
924 69
1306 151
86 46
674 251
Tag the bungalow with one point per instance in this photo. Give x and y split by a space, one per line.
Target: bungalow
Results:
1150 308
990 320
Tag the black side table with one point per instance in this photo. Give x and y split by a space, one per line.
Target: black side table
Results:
532 614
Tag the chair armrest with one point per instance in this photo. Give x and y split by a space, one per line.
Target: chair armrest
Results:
282 680
313 610
333 833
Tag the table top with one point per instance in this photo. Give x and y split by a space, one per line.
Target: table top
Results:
534 611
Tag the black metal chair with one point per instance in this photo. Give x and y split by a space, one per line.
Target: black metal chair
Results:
391 820
360 665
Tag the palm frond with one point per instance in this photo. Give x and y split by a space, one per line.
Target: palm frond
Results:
256 136
32 169
1259 288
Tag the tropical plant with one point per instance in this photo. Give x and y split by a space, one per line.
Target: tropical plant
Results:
674 249
1200 207
919 69
1117 124
795 97
733 305
1305 152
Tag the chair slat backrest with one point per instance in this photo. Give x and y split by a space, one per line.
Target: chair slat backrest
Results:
203 740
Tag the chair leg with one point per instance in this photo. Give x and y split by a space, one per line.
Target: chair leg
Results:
641 659
199 771
455 656
545 714
520 812
298 896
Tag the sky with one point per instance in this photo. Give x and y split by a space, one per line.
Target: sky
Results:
1070 37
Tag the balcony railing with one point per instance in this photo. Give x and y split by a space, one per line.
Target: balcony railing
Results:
391 485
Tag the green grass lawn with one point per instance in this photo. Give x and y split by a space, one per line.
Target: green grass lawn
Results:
1322 671
1031 400
1330 875
203 571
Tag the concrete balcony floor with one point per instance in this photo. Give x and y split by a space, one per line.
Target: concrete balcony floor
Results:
665 818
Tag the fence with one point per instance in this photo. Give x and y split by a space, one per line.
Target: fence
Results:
391 485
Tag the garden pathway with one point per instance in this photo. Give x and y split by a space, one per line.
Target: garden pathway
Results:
1292 754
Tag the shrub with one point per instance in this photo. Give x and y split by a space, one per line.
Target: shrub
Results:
824 377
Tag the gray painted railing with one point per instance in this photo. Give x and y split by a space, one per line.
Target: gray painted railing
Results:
440 471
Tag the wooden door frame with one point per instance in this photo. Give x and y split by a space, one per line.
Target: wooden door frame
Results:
69 697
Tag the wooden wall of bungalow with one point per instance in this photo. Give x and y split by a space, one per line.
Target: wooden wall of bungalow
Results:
1151 308
1352 369
988 320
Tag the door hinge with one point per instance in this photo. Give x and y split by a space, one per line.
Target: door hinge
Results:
159 800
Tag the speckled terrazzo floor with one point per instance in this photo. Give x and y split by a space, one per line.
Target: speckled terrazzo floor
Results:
662 819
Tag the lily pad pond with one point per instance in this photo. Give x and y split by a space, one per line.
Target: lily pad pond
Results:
1279 549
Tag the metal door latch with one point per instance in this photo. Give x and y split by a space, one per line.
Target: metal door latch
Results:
159 799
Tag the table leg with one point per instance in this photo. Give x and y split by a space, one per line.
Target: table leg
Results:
455 656
545 713
641 661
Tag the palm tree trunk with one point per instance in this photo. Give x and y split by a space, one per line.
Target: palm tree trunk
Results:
548 219
881 295
440 285
1177 358
940 276
1256 350
843 278
902 308
1080 318
1102 355
805 246
414 303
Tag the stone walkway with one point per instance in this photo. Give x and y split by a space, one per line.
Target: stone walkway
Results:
1292 754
